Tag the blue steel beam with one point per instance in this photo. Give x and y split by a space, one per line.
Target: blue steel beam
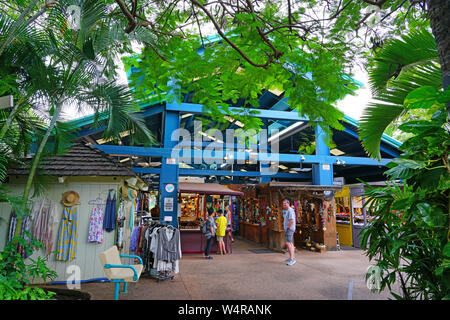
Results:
189 154
260 113
152 111
323 171
198 172
168 178
133 151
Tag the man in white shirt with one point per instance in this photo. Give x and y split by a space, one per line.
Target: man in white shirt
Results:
289 229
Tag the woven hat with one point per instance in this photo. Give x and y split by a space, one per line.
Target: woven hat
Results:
131 182
132 194
70 198
142 186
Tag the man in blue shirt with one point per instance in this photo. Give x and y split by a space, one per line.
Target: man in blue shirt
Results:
289 229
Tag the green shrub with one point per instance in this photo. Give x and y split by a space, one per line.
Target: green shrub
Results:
16 274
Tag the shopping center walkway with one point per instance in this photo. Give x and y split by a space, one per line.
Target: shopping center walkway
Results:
337 275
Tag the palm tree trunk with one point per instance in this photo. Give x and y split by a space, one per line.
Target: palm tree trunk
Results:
34 165
439 15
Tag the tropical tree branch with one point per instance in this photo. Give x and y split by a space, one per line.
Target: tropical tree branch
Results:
217 27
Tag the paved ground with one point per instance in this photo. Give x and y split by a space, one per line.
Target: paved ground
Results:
336 275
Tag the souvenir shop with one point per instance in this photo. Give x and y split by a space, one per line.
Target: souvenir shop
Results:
76 216
81 216
194 200
261 217
140 232
351 213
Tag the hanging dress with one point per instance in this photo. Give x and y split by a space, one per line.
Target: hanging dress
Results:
51 224
66 246
120 226
109 221
12 225
96 225
25 230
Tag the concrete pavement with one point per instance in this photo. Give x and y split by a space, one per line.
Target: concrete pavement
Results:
243 275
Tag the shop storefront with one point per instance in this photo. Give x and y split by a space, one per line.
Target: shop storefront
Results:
343 217
194 199
351 214
261 216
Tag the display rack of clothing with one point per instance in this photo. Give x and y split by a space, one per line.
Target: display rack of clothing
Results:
161 250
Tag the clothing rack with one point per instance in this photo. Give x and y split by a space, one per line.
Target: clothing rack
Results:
152 272
162 277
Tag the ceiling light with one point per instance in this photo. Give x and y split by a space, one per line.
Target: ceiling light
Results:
336 152
237 122
302 169
186 115
282 132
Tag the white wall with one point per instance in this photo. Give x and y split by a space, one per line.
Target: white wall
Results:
87 257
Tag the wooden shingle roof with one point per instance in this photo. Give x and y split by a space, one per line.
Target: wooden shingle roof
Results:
82 160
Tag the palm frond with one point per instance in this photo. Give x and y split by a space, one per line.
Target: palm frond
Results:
400 55
117 102
3 162
400 67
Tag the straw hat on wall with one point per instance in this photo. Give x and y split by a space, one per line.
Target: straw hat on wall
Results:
132 194
129 193
70 198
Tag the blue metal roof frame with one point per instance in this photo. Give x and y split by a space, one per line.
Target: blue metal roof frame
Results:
277 114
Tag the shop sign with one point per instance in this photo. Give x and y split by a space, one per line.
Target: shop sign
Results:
326 167
168 204
170 187
171 161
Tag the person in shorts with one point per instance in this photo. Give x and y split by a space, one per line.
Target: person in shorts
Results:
289 229
211 231
221 223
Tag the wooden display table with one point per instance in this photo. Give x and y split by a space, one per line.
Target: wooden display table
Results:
252 231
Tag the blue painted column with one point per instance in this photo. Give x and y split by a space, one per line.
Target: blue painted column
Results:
322 172
264 168
168 178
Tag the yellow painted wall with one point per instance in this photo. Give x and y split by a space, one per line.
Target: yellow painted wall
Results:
345 234
344 230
